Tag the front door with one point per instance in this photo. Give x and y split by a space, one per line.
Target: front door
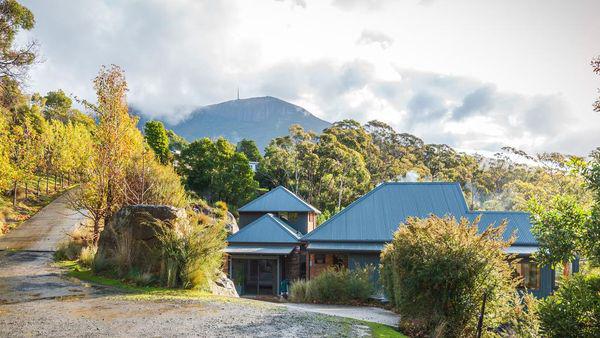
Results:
259 275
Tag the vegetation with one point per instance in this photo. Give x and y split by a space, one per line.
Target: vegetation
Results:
192 253
335 286
158 140
249 148
574 309
215 171
437 271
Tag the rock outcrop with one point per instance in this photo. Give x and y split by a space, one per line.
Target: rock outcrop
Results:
223 286
131 236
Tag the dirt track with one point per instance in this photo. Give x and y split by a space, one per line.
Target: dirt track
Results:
37 300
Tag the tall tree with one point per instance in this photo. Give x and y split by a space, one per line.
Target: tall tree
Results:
157 139
249 148
14 62
596 68
117 142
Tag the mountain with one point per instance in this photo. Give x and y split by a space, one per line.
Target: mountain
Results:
259 118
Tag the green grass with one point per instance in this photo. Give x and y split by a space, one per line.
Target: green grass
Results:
135 292
383 331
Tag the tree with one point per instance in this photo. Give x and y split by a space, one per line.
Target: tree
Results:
437 271
596 68
216 171
14 62
117 140
249 148
559 230
592 235
157 139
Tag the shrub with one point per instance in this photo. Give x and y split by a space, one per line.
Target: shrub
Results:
87 255
68 250
436 271
192 253
574 309
335 286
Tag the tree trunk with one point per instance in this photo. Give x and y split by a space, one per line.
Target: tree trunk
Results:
15 194
26 189
38 185
566 269
54 182
47 179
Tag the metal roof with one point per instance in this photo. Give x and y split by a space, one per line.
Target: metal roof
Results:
347 246
522 250
519 223
260 250
266 229
278 199
377 215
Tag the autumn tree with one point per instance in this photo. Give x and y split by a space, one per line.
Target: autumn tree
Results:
116 142
157 139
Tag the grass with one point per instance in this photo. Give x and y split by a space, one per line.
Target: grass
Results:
383 331
13 216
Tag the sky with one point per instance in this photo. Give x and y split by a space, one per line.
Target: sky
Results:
474 74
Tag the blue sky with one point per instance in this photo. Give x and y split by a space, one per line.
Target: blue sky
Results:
477 75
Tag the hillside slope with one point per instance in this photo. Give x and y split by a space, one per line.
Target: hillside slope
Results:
259 118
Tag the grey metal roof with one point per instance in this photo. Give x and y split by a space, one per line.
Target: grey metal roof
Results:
266 229
260 250
522 249
377 215
519 223
345 246
278 199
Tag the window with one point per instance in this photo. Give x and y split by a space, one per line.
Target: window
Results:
530 272
319 259
339 261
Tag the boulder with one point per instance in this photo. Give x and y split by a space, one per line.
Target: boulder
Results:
130 237
231 224
223 286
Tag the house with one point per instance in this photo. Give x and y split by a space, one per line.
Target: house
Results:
279 240
267 248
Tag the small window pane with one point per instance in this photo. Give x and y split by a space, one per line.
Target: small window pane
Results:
530 272
319 259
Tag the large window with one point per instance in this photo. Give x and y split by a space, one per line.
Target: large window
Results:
530 272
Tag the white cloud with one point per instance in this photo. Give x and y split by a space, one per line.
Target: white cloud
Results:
375 37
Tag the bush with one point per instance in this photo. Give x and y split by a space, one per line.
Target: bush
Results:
68 250
335 286
574 309
192 254
436 271
87 255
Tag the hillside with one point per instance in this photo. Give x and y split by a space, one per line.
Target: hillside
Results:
258 118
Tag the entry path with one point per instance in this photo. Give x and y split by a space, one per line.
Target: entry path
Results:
26 272
367 313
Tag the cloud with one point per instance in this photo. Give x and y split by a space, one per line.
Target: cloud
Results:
360 4
479 101
299 3
374 37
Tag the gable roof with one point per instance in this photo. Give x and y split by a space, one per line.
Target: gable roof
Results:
278 199
375 216
266 229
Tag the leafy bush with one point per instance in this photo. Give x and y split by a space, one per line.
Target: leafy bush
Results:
436 271
574 309
87 255
192 253
68 250
336 286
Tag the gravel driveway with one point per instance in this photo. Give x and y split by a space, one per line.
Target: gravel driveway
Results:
36 299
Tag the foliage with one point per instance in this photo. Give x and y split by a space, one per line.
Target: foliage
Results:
14 62
574 309
335 286
157 139
216 171
192 253
596 67
249 148
592 236
436 271
560 230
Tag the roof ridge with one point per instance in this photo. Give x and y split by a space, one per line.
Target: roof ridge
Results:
298 198
280 187
273 219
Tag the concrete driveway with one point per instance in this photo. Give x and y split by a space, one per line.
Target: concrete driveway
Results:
367 313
